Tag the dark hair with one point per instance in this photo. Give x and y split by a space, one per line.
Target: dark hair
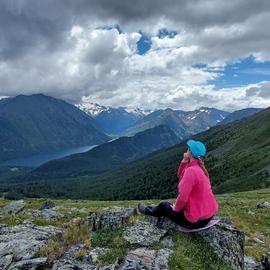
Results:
203 166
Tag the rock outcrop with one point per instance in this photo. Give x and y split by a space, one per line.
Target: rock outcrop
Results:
143 258
263 204
21 243
14 207
144 233
46 214
114 218
70 259
226 240
48 204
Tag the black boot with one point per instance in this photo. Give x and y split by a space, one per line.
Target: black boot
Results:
145 210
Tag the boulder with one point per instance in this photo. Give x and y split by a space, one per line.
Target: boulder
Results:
87 262
14 207
94 253
47 214
48 204
263 204
167 241
71 264
5 261
143 233
144 258
111 219
23 241
227 241
251 264
29 264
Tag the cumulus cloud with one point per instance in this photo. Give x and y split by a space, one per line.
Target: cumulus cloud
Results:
261 90
71 49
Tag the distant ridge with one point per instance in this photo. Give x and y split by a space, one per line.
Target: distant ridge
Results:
240 114
37 123
110 155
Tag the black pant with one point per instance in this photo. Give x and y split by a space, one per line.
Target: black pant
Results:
164 209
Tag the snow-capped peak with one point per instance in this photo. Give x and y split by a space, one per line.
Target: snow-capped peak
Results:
92 109
95 109
137 111
205 109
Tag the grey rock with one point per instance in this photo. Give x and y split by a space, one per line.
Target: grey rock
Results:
112 219
132 265
227 242
263 204
20 248
23 241
47 214
167 241
143 233
71 264
48 204
29 264
96 252
147 259
162 259
5 261
87 262
14 207
142 256
108 267
250 263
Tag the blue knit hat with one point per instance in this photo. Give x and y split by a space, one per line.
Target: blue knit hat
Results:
197 148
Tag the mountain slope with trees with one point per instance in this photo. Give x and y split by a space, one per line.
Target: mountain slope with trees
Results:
41 124
238 159
183 123
110 155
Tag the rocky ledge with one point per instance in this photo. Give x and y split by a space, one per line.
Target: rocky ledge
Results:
19 245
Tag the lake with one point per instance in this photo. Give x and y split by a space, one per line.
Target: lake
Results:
37 160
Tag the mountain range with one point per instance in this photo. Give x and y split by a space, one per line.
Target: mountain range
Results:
127 122
183 123
110 120
38 123
239 115
108 156
238 159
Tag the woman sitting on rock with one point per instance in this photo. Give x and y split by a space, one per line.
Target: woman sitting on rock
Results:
195 205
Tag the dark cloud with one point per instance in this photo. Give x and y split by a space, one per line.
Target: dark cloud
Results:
262 90
39 53
25 24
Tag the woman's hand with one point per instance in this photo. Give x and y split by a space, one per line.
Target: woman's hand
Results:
186 157
172 206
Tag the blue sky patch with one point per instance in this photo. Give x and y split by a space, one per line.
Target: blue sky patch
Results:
164 32
144 43
242 73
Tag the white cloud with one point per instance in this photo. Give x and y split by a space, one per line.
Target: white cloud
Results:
70 54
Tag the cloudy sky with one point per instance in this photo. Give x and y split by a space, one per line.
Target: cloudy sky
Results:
144 53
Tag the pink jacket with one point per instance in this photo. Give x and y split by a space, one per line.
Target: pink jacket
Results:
195 196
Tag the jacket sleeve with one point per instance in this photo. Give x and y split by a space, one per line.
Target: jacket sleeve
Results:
185 187
181 169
